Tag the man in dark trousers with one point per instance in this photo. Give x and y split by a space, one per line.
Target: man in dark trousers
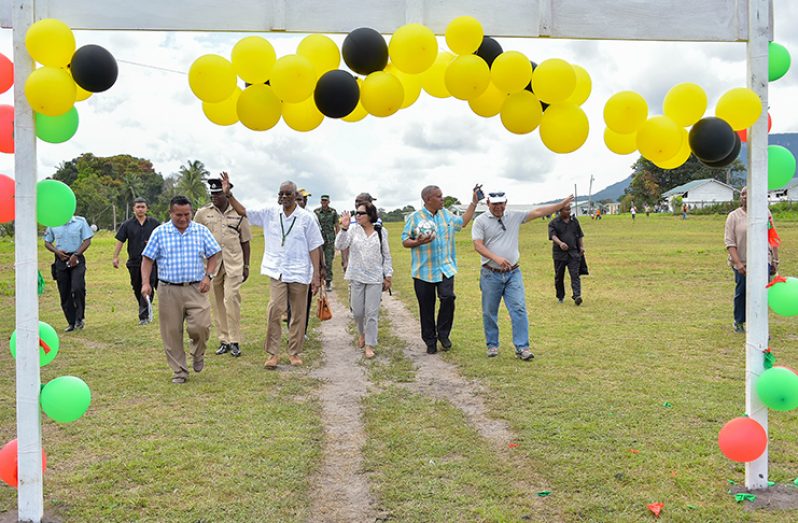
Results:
568 248
136 232
68 242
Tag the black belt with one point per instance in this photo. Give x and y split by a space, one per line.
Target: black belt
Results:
486 266
183 284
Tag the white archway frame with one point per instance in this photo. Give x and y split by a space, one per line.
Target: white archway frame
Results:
669 20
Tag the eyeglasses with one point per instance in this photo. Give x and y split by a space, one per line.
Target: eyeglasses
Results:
495 194
289 193
502 223
361 213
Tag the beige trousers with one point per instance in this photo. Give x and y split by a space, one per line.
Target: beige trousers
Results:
227 309
283 294
178 305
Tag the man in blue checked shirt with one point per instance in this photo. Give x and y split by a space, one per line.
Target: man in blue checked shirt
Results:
180 248
434 263
68 242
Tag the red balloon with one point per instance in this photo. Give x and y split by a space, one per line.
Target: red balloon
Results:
6 129
7 189
742 439
744 132
6 73
9 468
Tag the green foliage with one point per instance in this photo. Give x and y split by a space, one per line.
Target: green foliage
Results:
448 201
192 182
397 215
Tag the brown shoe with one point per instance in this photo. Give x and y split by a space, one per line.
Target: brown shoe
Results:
296 361
198 365
361 342
368 352
271 363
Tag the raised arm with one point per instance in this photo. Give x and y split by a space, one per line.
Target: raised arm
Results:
226 188
548 209
472 207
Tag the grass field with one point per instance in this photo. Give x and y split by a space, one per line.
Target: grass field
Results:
238 443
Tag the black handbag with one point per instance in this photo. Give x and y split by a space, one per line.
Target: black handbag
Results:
583 266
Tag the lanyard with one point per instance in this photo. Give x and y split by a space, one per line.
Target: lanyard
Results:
283 231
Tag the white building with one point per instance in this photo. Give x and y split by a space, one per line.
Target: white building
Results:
786 194
701 193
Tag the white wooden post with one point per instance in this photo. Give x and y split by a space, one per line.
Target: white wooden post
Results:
29 430
756 308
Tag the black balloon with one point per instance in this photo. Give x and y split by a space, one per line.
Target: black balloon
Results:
336 94
489 50
735 152
365 51
94 68
712 139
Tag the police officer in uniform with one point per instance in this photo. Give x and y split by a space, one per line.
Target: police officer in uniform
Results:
328 221
232 232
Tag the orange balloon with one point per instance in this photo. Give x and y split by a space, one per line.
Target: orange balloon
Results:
6 129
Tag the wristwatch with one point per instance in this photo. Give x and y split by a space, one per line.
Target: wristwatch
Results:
209 275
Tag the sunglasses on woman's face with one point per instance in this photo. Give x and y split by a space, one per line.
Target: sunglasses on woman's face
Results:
361 213
495 194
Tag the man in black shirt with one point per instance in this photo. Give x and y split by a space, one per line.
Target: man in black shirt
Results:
567 250
136 231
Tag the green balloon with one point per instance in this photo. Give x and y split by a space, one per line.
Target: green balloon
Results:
48 335
778 389
778 61
55 203
65 399
783 297
57 129
781 167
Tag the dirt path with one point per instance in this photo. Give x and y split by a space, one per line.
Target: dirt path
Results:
340 489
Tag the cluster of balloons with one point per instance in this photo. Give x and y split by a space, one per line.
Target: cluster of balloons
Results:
55 202
67 76
305 87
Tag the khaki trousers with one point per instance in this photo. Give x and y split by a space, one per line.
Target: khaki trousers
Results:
178 305
282 295
227 310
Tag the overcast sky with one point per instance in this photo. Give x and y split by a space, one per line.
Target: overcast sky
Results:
151 113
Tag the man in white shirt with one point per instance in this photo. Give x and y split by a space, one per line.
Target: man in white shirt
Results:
290 260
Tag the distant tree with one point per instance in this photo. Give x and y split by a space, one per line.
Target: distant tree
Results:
192 182
448 201
397 215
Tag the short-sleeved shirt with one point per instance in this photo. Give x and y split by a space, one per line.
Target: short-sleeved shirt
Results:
181 256
502 241
327 221
736 234
288 243
136 235
230 230
569 233
70 236
437 259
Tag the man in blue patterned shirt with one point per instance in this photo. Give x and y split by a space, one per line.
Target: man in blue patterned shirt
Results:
179 247
68 242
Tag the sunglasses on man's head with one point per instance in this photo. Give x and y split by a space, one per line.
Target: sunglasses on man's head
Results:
495 194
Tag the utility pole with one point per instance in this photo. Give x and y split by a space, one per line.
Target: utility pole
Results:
590 196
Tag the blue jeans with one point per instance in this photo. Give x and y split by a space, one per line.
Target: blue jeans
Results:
739 297
510 285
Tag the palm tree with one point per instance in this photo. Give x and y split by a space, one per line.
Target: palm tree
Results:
191 182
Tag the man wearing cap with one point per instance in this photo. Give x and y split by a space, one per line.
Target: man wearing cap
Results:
232 232
328 221
495 236
434 263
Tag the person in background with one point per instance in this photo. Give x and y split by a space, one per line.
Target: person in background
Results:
369 273
685 208
567 242
68 242
633 211
136 232
328 221
232 232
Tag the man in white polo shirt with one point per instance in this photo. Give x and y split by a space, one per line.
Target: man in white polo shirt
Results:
290 260
495 237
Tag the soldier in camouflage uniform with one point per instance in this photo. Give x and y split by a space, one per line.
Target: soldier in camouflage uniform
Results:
328 221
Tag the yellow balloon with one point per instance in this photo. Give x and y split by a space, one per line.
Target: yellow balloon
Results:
293 78
359 113
413 48
212 78
625 112
659 138
258 107
433 79
554 80
50 91
740 107
521 112
679 158
50 42
253 58
467 77
381 94
620 143
303 116
511 71
584 85
411 83
224 112
564 128
81 94
489 103
322 52
685 103
464 35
